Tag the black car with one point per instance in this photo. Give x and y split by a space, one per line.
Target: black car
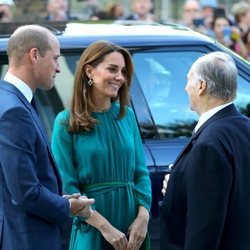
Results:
162 56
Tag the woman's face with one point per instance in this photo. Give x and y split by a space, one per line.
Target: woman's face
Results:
108 76
219 26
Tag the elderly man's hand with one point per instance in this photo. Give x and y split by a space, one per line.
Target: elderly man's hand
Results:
165 184
81 206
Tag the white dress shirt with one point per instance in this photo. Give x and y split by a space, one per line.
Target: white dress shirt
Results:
22 86
204 117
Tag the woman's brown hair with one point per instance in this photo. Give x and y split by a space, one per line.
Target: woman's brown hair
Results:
81 118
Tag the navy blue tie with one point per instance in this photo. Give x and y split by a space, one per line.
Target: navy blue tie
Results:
33 103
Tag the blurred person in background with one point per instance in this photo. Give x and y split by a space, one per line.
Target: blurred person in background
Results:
112 12
6 11
208 8
228 35
100 15
142 11
241 13
191 11
246 40
58 10
116 11
192 16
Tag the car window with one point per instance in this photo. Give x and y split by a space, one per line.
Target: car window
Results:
243 96
3 69
162 77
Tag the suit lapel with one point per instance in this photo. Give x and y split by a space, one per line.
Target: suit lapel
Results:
11 88
45 138
230 109
185 149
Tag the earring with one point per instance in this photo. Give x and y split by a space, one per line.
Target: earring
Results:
90 82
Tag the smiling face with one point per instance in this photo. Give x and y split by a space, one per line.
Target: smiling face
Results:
108 76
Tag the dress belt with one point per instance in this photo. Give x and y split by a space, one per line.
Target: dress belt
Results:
96 189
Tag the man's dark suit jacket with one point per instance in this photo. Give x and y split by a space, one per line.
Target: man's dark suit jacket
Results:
31 206
207 202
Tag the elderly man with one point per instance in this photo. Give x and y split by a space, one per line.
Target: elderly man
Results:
206 205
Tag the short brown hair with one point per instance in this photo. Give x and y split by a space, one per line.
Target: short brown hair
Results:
25 38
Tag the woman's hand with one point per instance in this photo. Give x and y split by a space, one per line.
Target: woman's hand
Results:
138 229
116 238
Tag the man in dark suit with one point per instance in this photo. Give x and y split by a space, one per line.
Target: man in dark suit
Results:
32 208
207 203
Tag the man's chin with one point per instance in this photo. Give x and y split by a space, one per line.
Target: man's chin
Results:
46 88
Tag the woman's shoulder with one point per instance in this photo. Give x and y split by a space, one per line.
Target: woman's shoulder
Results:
129 111
63 116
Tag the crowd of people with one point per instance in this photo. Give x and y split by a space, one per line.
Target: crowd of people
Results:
230 29
206 16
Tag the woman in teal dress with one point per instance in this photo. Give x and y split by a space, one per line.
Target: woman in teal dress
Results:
98 148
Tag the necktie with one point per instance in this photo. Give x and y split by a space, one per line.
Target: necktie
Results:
33 103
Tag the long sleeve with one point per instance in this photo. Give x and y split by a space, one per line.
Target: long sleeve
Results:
209 184
31 182
141 177
63 151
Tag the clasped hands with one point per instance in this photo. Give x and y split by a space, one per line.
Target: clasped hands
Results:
80 205
135 235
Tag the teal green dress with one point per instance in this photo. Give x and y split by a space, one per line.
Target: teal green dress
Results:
106 164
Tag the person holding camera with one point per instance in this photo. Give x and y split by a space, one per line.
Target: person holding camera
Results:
228 35
5 11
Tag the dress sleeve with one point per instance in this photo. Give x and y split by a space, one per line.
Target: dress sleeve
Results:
63 151
141 178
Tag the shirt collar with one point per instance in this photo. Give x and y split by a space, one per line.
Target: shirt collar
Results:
22 86
204 117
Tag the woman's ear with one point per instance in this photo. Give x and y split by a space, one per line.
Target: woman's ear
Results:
89 71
